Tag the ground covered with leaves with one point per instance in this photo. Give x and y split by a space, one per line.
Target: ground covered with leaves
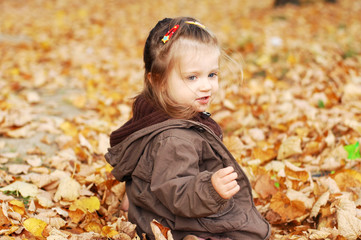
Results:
68 70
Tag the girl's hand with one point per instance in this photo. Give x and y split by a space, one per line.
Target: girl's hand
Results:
224 182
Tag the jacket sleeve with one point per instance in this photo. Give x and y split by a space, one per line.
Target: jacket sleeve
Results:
177 181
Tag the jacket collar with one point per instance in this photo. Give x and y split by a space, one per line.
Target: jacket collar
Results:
125 155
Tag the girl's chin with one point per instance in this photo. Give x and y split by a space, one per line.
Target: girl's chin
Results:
201 109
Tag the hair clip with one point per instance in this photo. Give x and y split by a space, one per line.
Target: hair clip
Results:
196 23
170 34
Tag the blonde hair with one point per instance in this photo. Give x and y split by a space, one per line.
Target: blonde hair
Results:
160 58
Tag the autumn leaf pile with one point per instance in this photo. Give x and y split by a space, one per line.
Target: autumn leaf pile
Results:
68 70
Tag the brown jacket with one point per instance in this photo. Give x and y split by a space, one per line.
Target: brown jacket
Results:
168 168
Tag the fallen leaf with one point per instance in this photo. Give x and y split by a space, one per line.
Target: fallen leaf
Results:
93 227
68 189
348 224
283 210
160 232
76 216
297 173
35 226
265 186
25 189
90 204
17 206
321 201
18 168
4 220
347 179
109 232
289 147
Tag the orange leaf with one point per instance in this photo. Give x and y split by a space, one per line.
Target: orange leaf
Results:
76 216
109 232
164 230
264 154
265 186
93 227
347 178
283 210
4 221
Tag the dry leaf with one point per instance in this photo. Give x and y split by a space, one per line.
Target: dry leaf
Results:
296 173
93 227
41 180
109 232
289 147
282 210
318 234
321 201
348 225
4 220
265 186
347 178
35 226
17 206
25 189
90 204
17 169
294 195
45 199
76 216
34 161
68 189
160 232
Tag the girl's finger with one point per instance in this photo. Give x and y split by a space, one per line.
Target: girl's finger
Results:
225 171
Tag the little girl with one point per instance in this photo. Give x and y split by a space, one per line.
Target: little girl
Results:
170 153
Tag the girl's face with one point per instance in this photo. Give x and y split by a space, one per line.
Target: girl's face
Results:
194 80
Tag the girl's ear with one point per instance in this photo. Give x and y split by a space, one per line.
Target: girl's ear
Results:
149 77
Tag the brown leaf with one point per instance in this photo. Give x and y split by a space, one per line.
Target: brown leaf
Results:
282 210
347 178
264 153
4 221
160 232
289 147
76 216
265 186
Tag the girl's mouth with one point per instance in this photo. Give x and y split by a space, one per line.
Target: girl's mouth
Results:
203 100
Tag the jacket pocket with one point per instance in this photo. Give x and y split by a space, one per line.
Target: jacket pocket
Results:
229 219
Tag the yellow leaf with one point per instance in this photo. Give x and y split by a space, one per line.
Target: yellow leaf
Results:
93 227
18 206
35 226
90 204
69 128
109 232
108 168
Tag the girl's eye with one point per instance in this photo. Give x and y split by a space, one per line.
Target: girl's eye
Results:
192 78
212 75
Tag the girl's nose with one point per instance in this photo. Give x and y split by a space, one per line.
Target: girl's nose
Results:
205 84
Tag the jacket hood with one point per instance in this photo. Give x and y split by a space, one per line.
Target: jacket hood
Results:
124 156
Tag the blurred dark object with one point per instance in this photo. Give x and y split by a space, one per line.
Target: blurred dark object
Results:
284 2
278 3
